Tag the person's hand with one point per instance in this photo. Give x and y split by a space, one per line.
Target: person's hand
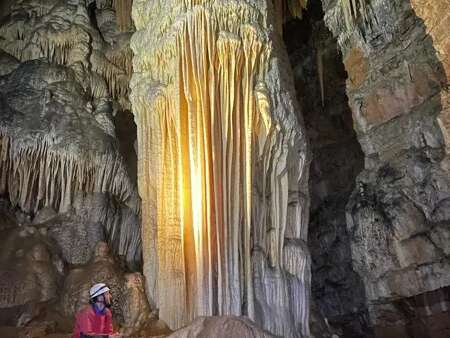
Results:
115 335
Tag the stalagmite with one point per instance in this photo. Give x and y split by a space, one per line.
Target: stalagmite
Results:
223 164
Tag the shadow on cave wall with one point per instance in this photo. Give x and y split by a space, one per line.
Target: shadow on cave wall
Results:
337 159
127 134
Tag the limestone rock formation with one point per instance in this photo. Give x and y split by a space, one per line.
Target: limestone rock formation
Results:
224 143
319 74
64 73
136 310
33 279
29 273
223 164
130 305
65 66
396 58
221 327
101 269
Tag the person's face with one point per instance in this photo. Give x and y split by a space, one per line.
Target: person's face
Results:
105 298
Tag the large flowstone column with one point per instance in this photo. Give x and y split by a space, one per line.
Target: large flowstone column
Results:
223 164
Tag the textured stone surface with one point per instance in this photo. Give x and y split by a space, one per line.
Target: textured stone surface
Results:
221 327
223 164
398 92
64 74
130 305
135 308
29 272
101 269
337 159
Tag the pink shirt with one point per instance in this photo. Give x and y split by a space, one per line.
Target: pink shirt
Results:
88 322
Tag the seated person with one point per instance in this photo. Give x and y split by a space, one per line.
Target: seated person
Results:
95 320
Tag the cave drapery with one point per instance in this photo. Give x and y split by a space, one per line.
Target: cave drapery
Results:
223 164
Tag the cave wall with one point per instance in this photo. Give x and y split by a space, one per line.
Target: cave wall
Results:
223 163
64 73
69 206
396 57
337 158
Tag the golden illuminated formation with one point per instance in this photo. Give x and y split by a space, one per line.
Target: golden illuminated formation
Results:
222 164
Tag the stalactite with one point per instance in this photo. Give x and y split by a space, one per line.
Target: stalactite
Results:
352 17
123 234
352 9
37 7
97 86
123 14
55 46
46 165
69 45
114 76
34 176
212 124
17 30
122 59
296 7
121 224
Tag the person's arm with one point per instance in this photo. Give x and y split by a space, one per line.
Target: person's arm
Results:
76 329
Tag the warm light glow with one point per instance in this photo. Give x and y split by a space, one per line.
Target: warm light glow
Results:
207 129
197 209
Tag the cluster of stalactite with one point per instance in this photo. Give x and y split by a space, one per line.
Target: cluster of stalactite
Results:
66 40
120 223
353 9
34 175
354 15
123 235
42 166
222 164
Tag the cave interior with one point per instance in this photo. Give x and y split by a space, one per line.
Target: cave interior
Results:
245 168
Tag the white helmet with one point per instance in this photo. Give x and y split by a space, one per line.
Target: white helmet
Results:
98 289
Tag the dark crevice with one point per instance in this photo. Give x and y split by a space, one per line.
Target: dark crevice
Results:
337 159
127 134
